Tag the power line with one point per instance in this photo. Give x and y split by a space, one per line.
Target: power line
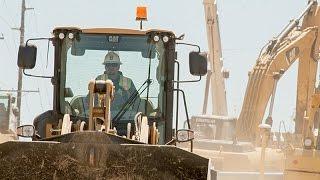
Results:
7 46
42 68
6 22
14 90
6 7
10 26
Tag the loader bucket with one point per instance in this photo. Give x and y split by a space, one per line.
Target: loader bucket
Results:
97 155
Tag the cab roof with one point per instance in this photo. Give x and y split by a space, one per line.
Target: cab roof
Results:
112 30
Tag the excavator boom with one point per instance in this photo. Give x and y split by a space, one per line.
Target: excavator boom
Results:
215 75
293 44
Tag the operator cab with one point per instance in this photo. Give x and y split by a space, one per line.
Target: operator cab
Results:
139 80
4 114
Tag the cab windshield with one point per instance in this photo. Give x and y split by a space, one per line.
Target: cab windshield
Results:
134 63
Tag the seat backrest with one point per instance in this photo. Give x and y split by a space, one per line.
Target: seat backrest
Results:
80 103
143 104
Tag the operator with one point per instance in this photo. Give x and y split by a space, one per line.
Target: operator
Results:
124 87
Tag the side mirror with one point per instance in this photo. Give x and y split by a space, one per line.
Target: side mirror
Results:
184 135
26 131
198 63
27 56
68 92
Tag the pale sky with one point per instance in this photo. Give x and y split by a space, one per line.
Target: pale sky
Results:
245 26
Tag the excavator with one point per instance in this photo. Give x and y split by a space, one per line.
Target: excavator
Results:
299 159
217 125
299 41
92 132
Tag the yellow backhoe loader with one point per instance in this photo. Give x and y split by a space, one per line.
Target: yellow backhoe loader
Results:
108 128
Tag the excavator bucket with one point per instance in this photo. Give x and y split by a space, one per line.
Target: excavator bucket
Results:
97 155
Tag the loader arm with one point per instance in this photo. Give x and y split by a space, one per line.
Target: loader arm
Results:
299 45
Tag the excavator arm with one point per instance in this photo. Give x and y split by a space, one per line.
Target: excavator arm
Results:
294 43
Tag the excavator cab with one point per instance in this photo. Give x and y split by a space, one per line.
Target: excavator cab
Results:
8 113
4 113
112 113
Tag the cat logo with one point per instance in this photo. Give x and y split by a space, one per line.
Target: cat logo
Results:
292 54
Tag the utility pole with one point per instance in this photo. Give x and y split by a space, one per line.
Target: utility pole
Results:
21 29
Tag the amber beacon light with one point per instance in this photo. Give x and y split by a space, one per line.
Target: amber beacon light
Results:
141 14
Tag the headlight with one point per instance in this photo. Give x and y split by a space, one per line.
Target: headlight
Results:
61 36
156 38
165 39
70 35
